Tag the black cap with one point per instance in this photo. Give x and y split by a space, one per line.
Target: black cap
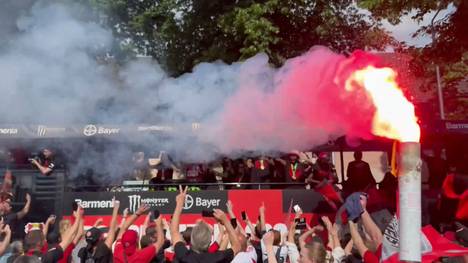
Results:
53 237
92 235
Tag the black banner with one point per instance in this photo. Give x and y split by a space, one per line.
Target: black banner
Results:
309 201
100 203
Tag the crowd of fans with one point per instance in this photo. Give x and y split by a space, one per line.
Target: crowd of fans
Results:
352 236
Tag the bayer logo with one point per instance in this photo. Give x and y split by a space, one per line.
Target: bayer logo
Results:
188 202
90 130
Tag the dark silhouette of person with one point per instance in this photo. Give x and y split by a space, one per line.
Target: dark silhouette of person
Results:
359 175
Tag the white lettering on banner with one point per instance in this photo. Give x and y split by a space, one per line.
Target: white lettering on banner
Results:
103 130
200 202
8 131
154 128
95 204
208 203
449 125
44 130
135 201
90 130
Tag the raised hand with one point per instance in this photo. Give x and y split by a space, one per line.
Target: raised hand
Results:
180 198
143 209
220 216
261 209
51 220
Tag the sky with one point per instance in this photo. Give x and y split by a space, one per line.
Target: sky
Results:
408 26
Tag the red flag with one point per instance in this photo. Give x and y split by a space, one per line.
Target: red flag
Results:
439 246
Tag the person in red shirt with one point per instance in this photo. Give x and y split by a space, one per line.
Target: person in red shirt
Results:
126 250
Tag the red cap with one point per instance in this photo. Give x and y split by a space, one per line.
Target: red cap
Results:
129 241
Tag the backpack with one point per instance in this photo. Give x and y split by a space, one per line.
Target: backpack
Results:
278 256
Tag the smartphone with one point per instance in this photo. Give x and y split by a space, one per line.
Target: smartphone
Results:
207 213
154 215
300 223
244 215
234 223
297 208
74 206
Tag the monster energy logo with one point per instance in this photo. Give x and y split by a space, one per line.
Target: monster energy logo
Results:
134 202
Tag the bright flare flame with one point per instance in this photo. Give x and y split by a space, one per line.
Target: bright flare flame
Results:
394 117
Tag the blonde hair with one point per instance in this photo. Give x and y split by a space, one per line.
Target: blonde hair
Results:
316 252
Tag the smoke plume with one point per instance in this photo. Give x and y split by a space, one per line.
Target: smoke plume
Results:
50 75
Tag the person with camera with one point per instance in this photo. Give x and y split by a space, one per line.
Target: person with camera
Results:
44 161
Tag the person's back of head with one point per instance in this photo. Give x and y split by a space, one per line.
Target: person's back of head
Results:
17 247
186 235
200 237
34 240
277 237
357 155
27 259
315 252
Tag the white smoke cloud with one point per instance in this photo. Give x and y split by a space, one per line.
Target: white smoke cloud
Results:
50 74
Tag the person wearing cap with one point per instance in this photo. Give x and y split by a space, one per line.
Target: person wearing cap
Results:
126 248
97 249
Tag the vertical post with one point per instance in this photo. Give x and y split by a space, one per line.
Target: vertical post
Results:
440 94
342 165
409 184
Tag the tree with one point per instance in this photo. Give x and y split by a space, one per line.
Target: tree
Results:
449 50
182 33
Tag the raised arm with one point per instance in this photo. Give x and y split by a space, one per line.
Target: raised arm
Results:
6 240
50 221
113 224
160 234
305 235
222 218
174 228
70 233
251 227
357 239
124 217
268 239
43 169
26 208
143 209
292 231
261 211
332 229
369 225
79 233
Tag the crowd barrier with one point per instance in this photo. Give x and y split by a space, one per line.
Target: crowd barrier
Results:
277 203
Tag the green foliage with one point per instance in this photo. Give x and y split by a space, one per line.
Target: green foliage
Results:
449 51
182 33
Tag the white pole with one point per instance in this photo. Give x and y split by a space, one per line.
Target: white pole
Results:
440 94
409 185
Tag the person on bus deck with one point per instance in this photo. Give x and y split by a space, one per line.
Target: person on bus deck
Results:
359 175
44 161
296 171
